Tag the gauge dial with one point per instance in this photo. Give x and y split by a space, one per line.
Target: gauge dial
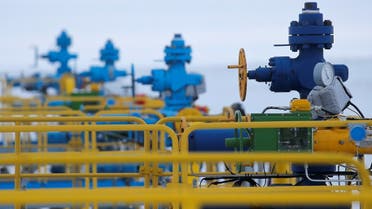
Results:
323 73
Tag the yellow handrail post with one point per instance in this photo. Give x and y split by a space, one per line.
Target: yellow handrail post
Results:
87 165
17 150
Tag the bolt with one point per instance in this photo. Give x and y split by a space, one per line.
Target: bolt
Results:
294 48
327 23
294 23
328 46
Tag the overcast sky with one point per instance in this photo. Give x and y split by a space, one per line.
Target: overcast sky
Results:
141 29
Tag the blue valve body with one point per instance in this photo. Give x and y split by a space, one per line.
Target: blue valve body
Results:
175 80
63 56
310 35
99 74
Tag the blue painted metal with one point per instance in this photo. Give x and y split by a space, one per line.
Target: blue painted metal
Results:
109 55
310 35
62 56
211 140
174 81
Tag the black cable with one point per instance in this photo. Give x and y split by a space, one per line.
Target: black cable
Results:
264 170
228 169
221 182
354 112
275 108
357 109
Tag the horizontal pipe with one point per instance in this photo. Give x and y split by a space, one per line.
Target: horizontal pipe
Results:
127 111
230 196
123 127
41 112
217 118
74 119
122 157
272 124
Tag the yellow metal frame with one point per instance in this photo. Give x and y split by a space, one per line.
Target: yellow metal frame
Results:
275 124
89 149
25 102
193 197
127 111
97 118
190 198
218 118
178 192
15 109
130 103
41 112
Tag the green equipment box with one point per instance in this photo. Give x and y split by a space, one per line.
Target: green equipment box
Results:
282 139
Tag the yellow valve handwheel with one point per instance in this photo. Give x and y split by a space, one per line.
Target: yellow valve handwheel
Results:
242 66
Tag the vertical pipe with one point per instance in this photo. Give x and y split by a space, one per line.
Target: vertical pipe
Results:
17 181
87 165
155 166
282 168
146 165
162 140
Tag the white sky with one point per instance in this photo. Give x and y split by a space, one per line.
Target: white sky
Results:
141 29
215 30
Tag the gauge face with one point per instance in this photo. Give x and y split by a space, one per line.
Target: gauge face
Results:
323 73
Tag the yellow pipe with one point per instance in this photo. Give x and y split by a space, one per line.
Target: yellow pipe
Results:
288 124
74 119
17 149
127 111
220 196
337 140
277 124
59 108
86 149
94 165
27 113
125 127
24 101
184 158
282 168
41 147
194 119
75 175
75 99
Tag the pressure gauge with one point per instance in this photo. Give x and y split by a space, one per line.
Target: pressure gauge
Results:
323 73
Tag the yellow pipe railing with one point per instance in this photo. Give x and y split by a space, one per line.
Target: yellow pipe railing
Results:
73 119
15 109
187 196
127 111
327 195
182 194
184 142
24 102
99 99
183 158
87 151
173 119
137 102
276 124
43 113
